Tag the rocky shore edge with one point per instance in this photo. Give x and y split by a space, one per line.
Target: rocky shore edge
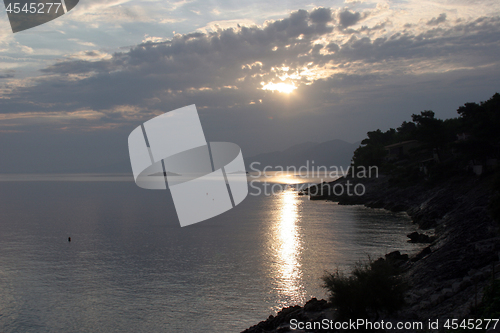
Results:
447 277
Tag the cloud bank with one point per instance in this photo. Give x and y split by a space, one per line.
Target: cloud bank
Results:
352 73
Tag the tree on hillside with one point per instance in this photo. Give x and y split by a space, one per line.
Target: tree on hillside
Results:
406 131
373 151
429 130
481 122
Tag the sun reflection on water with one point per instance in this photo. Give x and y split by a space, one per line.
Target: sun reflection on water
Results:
287 248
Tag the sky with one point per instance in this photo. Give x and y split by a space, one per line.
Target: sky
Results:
263 74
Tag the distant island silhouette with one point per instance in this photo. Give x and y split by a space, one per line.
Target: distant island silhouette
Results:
330 153
168 173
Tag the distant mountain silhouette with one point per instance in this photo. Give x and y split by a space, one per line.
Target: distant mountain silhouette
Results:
330 153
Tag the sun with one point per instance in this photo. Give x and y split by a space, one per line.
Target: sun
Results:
282 87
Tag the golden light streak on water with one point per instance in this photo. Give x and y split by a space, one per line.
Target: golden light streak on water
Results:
287 247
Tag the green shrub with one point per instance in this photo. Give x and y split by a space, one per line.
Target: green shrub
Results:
371 290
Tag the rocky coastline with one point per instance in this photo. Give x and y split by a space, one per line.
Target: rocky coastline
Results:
448 276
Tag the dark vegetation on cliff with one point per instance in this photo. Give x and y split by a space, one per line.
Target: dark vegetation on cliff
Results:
371 290
470 139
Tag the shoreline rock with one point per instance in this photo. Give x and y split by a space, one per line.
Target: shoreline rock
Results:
416 237
313 310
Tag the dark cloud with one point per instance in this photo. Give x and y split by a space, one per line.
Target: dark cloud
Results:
321 15
221 72
378 26
437 20
332 47
6 76
348 18
78 67
226 67
466 44
201 64
301 23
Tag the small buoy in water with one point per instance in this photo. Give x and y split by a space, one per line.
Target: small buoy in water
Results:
69 239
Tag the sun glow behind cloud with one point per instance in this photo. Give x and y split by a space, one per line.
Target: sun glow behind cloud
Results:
282 87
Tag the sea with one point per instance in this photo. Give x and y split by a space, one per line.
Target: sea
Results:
130 267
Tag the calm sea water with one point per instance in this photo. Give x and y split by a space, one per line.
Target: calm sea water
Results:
131 268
